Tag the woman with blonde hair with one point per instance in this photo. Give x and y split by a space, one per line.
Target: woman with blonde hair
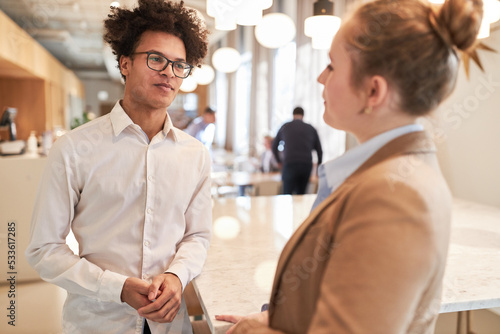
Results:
370 257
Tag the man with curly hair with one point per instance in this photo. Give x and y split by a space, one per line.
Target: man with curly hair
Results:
134 190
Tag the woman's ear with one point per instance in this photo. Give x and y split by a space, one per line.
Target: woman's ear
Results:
377 91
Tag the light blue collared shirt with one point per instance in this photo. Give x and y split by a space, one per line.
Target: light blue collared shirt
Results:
333 173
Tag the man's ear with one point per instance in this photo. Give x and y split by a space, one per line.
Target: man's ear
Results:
125 63
377 91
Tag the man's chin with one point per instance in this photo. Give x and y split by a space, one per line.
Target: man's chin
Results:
161 104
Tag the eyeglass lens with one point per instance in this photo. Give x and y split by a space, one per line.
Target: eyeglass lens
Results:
159 63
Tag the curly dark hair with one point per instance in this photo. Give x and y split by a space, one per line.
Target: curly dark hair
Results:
124 27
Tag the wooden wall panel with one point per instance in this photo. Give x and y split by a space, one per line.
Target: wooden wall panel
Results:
28 96
202 92
33 81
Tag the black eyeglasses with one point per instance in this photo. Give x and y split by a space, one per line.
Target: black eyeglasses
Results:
158 63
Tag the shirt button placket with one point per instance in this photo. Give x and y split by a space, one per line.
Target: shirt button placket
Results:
149 214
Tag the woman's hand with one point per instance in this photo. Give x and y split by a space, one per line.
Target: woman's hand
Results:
261 317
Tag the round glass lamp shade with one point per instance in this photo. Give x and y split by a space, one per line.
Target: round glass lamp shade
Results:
249 13
226 23
189 84
491 10
322 29
275 30
226 60
204 75
484 30
265 4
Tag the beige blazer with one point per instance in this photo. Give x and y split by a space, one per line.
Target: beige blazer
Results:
370 258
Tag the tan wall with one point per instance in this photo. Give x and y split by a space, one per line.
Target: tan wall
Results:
469 131
19 177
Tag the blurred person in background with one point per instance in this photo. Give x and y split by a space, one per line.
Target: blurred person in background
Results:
371 256
268 161
299 140
203 127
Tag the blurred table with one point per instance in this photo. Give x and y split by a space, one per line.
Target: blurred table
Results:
245 180
250 232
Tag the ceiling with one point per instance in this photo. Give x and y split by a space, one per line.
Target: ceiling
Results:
72 29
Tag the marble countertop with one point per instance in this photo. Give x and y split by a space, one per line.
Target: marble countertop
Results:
250 232
472 276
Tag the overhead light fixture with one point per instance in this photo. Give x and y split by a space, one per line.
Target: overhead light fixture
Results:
491 10
323 25
204 74
102 95
249 13
229 13
189 84
225 23
266 4
275 30
226 60
484 30
491 14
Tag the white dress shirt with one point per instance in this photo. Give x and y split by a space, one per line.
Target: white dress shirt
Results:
136 208
333 173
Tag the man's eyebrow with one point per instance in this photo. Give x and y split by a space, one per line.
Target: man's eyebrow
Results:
162 54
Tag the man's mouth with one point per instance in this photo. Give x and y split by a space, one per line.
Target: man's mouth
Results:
165 86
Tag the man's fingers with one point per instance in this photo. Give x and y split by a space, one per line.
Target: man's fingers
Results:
172 313
165 299
160 301
154 287
165 313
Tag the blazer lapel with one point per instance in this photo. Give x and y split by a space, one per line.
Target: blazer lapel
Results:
410 143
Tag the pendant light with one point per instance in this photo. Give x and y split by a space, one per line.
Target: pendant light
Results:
275 30
226 60
228 14
188 85
323 25
204 74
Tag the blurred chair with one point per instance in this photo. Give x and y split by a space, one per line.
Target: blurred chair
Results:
192 303
267 188
200 327
194 310
227 191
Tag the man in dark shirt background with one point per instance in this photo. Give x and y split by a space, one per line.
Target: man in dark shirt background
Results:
299 140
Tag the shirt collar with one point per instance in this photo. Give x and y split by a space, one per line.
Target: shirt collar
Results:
333 173
337 170
120 120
